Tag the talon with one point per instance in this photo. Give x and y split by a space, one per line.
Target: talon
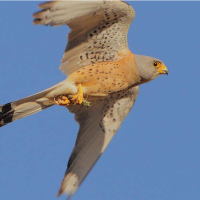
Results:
78 98
62 100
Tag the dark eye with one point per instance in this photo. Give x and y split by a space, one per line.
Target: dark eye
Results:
155 64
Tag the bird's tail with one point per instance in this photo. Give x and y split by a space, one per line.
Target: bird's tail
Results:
24 107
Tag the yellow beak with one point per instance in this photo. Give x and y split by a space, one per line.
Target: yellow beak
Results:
163 70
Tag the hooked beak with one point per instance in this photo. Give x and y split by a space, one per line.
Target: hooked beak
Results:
163 70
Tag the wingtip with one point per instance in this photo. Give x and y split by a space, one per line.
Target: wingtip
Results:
36 14
43 5
59 192
69 197
37 21
47 5
37 18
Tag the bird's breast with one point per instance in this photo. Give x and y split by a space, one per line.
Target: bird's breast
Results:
107 77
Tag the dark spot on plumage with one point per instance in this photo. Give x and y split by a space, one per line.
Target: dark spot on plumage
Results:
9 118
6 114
6 108
86 55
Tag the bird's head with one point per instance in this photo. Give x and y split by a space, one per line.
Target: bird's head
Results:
150 68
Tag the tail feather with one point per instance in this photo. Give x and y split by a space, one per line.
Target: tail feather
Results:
24 107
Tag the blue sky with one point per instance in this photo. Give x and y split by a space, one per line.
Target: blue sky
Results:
154 155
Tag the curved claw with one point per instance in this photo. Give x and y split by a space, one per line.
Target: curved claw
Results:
62 100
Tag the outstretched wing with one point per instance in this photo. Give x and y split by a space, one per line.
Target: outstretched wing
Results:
98 124
98 29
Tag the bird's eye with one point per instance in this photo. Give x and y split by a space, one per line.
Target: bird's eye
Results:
156 64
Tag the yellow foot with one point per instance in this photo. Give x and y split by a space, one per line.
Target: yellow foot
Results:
62 100
78 98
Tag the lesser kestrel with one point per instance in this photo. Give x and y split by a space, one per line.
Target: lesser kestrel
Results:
102 78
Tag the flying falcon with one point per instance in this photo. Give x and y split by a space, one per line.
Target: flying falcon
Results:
102 78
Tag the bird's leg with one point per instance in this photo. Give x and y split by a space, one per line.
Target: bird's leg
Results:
78 98
62 100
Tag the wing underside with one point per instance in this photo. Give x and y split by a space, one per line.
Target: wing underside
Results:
98 29
98 124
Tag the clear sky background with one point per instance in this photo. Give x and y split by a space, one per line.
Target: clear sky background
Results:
156 153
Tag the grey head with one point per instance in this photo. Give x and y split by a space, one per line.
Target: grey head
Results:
149 67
